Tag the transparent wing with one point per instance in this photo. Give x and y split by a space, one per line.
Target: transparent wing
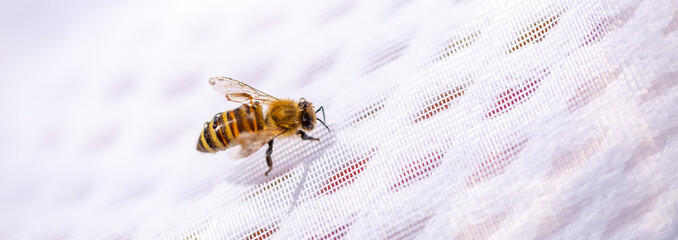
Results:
237 91
250 142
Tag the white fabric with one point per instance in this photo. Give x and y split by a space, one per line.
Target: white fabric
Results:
450 119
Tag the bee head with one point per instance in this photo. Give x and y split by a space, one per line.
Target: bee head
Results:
307 115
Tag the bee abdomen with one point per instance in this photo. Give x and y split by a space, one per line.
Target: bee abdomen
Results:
218 134
206 142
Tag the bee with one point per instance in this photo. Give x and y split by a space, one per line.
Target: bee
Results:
248 128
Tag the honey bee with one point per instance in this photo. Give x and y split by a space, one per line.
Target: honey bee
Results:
248 128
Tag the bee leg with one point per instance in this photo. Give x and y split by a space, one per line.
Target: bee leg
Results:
269 161
304 136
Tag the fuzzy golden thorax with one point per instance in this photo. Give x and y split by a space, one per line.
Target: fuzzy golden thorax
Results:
291 115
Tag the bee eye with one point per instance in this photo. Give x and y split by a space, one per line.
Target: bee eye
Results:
306 122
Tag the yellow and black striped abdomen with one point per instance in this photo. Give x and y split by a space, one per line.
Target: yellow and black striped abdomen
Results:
219 134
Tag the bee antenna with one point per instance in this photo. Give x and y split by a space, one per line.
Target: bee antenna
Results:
321 109
321 121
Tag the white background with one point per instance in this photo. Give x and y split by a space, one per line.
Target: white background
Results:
102 104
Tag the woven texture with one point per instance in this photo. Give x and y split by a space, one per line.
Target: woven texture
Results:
450 120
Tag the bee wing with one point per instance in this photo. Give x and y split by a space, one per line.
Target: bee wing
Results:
236 91
250 142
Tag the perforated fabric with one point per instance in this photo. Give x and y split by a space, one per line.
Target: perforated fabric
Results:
450 120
